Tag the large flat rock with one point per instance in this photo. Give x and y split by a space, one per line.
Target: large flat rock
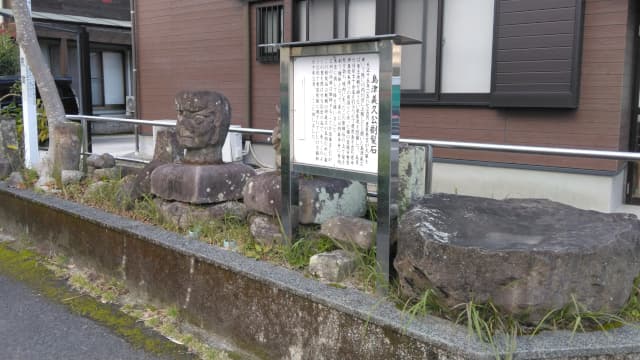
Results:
527 256
200 184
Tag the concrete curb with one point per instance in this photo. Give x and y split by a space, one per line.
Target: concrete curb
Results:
265 309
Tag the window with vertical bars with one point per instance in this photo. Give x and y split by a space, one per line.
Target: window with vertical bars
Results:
269 30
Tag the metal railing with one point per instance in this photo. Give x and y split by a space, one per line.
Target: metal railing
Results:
85 119
532 150
429 145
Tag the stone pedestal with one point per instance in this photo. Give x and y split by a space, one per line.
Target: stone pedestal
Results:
200 184
528 256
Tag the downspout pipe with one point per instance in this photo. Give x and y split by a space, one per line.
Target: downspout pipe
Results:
249 93
134 58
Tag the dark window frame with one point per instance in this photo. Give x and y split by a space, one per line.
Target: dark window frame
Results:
379 15
265 54
99 50
419 97
99 79
384 24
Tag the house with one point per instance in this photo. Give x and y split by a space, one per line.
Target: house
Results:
556 73
106 27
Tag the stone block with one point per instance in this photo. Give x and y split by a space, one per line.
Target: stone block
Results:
355 232
15 180
333 266
262 193
113 173
103 161
167 148
323 198
320 198
200 184
186 215
68 138
10 148
411 171
265 230
5 168
71 176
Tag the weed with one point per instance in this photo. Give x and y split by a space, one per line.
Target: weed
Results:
368 271
372 211
492 327
73 192
230 227
309 243
106 194
173 312
428 303
147 210
283 232
30 176
631 310
576 317
107 291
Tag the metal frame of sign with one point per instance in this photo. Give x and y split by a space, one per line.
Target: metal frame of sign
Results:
387 47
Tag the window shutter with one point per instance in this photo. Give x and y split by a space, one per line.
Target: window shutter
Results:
536 53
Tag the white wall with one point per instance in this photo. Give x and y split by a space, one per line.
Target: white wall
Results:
593 192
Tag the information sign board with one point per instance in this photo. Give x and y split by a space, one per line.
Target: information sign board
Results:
340 111
336 111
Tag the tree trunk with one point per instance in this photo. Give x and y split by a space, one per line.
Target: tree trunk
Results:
28 41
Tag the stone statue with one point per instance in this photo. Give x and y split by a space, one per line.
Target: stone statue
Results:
201 177
203 122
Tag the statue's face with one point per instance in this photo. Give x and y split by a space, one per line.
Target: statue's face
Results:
201 119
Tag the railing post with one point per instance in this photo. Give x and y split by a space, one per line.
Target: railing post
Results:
429 169
85 144
136 130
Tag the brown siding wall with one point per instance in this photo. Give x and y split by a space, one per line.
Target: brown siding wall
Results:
201 44
265 78
191 45
596 124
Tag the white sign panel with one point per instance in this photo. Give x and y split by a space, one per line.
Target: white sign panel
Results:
336 108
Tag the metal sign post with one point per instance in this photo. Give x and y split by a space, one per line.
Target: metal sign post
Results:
29 112
340 111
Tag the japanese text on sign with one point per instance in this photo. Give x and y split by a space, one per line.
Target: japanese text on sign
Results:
336 109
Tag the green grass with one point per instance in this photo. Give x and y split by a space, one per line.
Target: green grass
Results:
308 243
631 310
107 195
30 176
427 304
230 227
578 318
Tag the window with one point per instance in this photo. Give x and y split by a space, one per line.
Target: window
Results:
107 78
453 63
269 30
498 53
335 19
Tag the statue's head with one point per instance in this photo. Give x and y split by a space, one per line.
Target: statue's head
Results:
203 119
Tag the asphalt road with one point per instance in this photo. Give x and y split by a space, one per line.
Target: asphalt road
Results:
31 327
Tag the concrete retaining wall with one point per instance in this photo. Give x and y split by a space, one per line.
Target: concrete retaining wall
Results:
270 311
